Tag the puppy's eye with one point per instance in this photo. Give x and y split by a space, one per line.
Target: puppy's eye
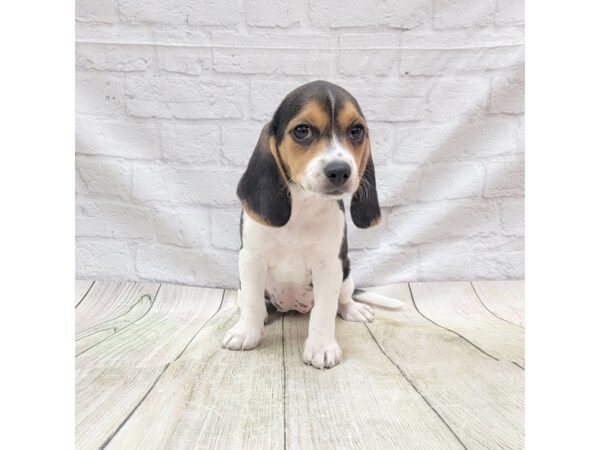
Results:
356 132
302 132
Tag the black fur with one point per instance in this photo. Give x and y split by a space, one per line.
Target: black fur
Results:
330 96
364 207
262 189
343 254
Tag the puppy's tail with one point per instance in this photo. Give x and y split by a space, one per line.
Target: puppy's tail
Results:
377 300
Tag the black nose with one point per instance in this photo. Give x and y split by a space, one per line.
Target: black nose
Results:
337 172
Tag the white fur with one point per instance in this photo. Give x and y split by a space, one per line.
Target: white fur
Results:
314 178
304 250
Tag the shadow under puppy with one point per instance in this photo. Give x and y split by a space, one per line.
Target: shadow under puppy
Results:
314 153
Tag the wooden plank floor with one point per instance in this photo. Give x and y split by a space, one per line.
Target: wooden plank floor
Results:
445 371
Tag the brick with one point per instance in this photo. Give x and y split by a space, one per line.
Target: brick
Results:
451 98
403 14
185 186
225 228
190 143
99 136
368 53
457 141
485 37
99 94
353 13
447 219
238 143
375 237
274 61
439 62
80 187
451 181
183 226
271 13
198 267
512 216
113 220
125 58
397 185
510 12
104 258
372 62
105 176
178 12
498 259
369 40
390 101
95 11
343 13
438 259
463 13
186 60
265 96
275 39
387 264
179 97
505 177
508 93
383 142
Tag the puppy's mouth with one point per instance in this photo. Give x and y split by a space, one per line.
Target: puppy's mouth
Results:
335 192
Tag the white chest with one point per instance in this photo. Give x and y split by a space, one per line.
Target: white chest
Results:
314 231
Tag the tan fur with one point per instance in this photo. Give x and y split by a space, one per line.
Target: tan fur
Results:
257 218
295 156
347 116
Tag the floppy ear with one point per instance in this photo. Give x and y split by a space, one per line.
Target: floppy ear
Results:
364 207
263 188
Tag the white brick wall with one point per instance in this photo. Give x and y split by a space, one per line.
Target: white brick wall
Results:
172 94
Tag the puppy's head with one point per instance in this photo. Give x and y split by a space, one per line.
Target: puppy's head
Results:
318 139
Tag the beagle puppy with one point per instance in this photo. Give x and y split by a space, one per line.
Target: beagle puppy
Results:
313 154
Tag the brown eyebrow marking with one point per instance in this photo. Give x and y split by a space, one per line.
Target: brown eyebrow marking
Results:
313 113
347 115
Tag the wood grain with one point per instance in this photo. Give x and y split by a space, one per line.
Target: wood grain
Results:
108 308
160 334
122 369
159 378
364 402
81 288
454 305
480 398
506 299
104 397
214 398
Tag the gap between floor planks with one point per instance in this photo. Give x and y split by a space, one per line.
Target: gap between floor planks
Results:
284 374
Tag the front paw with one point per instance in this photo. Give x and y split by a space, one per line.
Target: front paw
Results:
355 312
322 353
243 336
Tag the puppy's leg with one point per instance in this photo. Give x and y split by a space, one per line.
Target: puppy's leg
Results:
321 349
351 310
246 334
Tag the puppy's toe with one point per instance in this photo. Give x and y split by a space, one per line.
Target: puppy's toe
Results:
356 312
242 337
322 354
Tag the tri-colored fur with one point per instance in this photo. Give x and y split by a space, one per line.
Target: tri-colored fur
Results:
314 154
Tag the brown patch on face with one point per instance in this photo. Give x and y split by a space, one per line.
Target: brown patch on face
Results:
294 155
348 116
